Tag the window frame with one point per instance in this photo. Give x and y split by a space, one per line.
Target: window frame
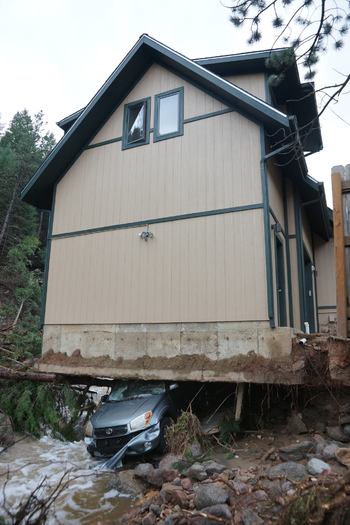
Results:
156 135
146 140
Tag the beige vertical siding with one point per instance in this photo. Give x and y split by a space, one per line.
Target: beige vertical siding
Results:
204 269
255 83
290 206
275 181
158 80
325 266
215 164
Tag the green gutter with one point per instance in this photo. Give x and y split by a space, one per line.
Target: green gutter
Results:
287 237
300 258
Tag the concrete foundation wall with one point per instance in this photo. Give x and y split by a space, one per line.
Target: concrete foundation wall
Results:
243 351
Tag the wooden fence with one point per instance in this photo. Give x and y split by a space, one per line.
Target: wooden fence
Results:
341 225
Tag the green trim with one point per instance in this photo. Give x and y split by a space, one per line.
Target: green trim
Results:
159 220
104 143
292 236
156 135
314 275
146 139
267 231
47 260
209 115
289 271
327 307
300 259
281 322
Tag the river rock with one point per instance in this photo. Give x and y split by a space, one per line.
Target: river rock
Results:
297 451
317 466
143 470
197 472
212 467
220 511
7 437
336 433
240 487
169 461
149 519
173 494
343 456
125 482
210 494
329 451
346 429
290 469
249 517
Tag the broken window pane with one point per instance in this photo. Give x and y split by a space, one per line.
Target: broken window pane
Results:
136 122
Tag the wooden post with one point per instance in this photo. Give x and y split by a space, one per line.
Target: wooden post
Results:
239 401
338 222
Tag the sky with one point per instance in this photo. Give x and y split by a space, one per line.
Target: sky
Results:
55 55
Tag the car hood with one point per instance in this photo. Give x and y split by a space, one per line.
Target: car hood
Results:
114 413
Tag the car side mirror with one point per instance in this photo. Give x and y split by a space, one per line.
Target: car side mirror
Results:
104 398
173 386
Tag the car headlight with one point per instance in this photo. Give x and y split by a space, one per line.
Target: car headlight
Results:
89 429
140 422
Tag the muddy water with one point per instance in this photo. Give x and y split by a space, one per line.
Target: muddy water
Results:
88 498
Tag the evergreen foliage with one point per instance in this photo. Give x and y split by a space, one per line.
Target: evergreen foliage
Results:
33 407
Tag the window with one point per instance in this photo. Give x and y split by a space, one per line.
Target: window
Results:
136 123
168 118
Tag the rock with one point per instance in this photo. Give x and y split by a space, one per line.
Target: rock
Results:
149 519
155 478
143 470
317 466
345 419
125 482
240 487
196 471
346 430
195 450
220 511
343 456
210 494
297 451
186 484
329 451
249 517
173 494
168 474
212 467
7 436
260 495
155 509
296 425
290 470
336 433
169 461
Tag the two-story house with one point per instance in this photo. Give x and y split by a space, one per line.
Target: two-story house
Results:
187 239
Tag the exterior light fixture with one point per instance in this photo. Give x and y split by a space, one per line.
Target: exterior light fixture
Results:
146 234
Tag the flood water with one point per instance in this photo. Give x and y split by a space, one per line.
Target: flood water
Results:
88 497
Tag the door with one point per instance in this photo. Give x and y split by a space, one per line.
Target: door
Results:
309 292
280 283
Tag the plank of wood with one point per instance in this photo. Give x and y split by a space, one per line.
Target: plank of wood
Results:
239 401
339 249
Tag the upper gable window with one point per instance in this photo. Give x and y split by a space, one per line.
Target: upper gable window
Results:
136 123
169 114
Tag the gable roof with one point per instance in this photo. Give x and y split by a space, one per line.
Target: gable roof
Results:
146 51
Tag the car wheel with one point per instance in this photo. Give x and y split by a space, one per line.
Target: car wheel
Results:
163 445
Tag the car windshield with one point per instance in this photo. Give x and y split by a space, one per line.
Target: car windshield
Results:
134 389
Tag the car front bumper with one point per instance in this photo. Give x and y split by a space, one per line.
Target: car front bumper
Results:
140 442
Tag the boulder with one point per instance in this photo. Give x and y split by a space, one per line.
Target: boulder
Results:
7 436
197 472
317 466
169 461
336 433
329 451
220 511
174 495
143 470
240 487
290 470
210 494
126 483
249 517
297 451
343 456
212 467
